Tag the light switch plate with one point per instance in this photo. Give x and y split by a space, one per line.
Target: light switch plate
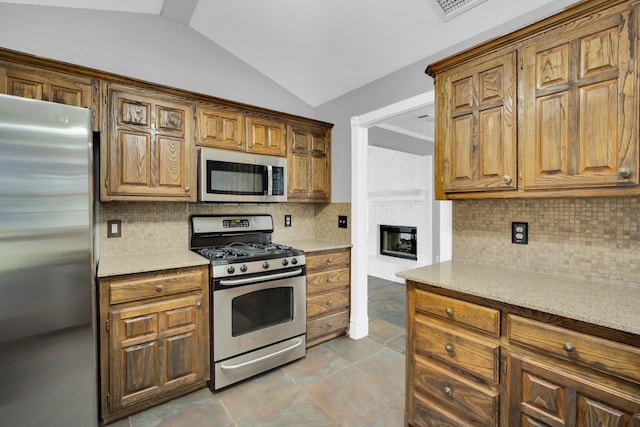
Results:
114 228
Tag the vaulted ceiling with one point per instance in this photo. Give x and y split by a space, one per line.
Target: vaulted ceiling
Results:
322 49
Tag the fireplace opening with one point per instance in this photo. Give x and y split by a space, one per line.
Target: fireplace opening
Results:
399 241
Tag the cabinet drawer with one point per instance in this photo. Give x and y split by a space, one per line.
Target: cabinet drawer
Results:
426 414
328 259
462 312
598 353
327 280
327 325
478 357
324 303
149 285
477 404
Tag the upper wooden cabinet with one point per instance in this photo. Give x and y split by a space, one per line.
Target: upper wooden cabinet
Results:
309 163
580 115
477 125
232 130
149 152
45 85
266 136
551 110
219 128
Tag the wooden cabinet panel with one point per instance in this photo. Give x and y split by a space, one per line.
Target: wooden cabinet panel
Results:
457 393
45 85
597 353
155 339
266 137
219 128
547 395
151 153
580 127
477 357
328 294
309 164
150 285
477 125
461 312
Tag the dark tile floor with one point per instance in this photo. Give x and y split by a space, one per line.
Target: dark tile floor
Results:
340 383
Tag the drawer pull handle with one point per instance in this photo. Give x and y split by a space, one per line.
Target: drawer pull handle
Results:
448 348
448 311
329 260
329 325
329 280
448 391
568 347
329 303
159 288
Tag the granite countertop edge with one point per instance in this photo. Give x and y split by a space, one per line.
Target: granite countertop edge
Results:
609 305
316 245
131 263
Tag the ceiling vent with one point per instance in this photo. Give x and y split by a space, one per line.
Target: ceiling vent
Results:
449 9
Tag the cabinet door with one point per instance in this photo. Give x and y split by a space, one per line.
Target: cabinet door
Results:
35 83
580 111
220 129
156 348
309 164
150 148
477 125
266 137
545 395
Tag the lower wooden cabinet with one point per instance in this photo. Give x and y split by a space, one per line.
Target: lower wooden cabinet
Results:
328 294
478 362
154 338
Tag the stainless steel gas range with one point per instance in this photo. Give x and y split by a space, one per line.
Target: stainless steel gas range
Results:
258 296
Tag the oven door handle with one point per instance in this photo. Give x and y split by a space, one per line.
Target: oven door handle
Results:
260 359
234 282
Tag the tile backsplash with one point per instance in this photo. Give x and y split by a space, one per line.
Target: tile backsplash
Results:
594 239
158 226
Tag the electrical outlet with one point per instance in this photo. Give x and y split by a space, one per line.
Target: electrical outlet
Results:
342 221
114 228
520 233
287 220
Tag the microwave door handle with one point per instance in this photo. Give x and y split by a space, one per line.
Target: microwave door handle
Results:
269 177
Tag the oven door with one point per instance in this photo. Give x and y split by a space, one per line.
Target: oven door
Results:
252 316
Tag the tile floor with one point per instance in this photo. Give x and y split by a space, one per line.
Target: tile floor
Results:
340 383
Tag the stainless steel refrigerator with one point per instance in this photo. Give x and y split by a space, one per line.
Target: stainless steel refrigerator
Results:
48 363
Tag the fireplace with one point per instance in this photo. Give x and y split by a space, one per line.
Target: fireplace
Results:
399 241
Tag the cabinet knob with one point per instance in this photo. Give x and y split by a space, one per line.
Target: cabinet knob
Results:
159 288
448 311
329 303
506 179
329 325
448 391
329 280
198 304
329 260
637 417
187 189
448 348
568 347
624 173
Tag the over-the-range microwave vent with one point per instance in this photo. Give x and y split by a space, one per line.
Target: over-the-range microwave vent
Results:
449 9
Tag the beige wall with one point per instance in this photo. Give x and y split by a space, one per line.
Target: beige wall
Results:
595 239
158 226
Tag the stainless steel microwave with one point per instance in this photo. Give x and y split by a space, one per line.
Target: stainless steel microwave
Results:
233 176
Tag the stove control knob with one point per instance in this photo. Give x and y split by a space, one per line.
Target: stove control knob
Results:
294 261
243 268
285 262
231 270
265 265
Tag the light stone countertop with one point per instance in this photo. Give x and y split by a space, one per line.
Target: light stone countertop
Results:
314 245
612 306
115 265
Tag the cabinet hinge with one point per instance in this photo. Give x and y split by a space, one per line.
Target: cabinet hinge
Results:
108 324
109 399
504 365
105 183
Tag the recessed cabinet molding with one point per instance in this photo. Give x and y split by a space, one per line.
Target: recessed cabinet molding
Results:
551 110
